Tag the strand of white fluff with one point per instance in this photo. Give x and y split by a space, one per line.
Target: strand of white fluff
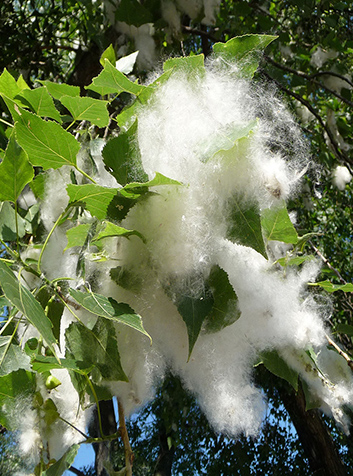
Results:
185 229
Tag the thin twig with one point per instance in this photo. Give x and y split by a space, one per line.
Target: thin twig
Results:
332 73
194 31
340 351
309 78
328 264
129 455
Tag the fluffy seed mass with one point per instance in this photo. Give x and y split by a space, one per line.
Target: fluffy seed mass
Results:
188 132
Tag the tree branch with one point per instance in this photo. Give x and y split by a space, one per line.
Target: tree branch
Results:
339 154
76 471
309 78
129 455
340 351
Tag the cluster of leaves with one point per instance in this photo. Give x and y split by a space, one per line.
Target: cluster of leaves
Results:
36 137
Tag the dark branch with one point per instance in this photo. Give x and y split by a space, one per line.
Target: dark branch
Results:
340 155
76 471
309 78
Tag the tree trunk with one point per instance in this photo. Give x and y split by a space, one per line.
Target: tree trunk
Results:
109 427
313 434
165 457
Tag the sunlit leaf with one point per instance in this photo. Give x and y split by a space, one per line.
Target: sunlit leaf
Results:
110 229
95 197
15 171
58 90
277 225
24 301
89 109
41 102
193 66
112 81
109 308
331 288
126 63
245 51
77 235
47 144
108 54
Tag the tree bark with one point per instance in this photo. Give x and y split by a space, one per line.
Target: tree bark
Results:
313 434
109 427
165 457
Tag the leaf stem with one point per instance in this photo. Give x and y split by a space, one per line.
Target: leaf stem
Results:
74 427
85 175
97 403
9 250
7 123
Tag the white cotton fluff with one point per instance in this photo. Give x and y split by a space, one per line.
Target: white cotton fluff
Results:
341 177
143 40
185 227
320 56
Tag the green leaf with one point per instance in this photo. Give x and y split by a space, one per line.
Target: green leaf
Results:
225 306
12 357
276 365
24 301
51 413
110 229
244 50
55 310
110 309
47 144
133 13
225 138
15 171
58 90
8 85
38 185
128 116
77 235
295 261
12 386
112 81
193 66
126 279
344 329
159 179
194 312
64 463
126 63
122 157
97 347
245 226
8 223
95 197
108 54
331 288
40 102
21 83
276 225
89 109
